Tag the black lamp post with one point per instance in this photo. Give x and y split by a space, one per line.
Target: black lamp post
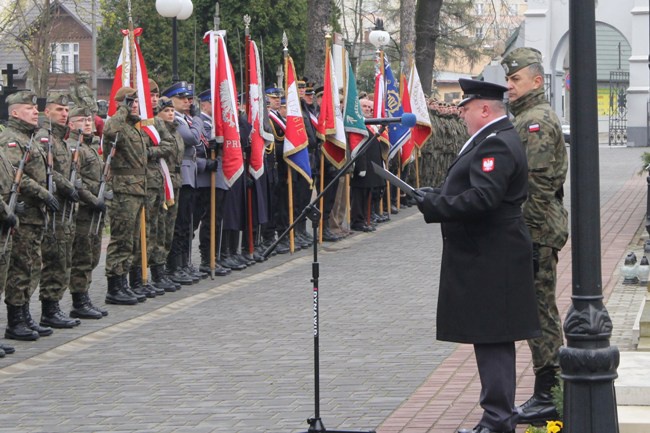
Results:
176 10
588 362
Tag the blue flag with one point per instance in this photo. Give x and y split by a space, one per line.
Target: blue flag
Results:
398 134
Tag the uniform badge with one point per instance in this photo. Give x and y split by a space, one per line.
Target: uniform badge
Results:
533 128
488 165
12 144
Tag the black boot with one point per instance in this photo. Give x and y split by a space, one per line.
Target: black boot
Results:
53 317
43 331
189 270
135 282
103 311
540 407
115 294
82 309
158 278
126 288
219 270
7 348
176 274
150 285
17 329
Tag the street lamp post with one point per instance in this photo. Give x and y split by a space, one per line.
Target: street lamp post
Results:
176 10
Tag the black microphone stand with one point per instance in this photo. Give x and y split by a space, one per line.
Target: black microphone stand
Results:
312 212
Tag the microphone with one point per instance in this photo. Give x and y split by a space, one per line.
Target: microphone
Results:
407 119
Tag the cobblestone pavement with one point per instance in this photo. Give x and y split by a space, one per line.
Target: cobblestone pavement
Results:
235 354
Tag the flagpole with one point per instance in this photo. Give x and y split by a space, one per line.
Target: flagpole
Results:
213 183
417 167
321 204
247 102
285 53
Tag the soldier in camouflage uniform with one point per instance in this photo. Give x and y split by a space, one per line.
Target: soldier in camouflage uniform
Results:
129 185
26 259
59 233
81 94
86 247
541 133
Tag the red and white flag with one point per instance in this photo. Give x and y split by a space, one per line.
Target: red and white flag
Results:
259 137
295 151
330 127
406 154
225 120
422 130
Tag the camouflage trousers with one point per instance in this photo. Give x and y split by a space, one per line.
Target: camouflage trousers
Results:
153 215
545 349
25 264
4 260
86 249
57 259
168 220
124 211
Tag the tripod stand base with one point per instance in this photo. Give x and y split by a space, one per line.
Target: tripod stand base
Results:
316 426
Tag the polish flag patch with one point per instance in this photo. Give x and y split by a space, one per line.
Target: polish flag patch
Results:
533 128
488 164
12 144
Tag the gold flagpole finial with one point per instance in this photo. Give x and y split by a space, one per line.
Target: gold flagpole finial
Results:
328 31
247 21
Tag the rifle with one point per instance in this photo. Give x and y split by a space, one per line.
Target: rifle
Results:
15 188
73 177
102 187
49 180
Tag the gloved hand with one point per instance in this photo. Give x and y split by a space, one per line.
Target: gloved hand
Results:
11 220
52 203
420 195
535 258
193 110
213 144
362 173
73 195
108 195
100 205
211 165
20 208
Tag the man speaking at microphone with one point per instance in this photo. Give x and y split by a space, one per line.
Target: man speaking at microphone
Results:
486 294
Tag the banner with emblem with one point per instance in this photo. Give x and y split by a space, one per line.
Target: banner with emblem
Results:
353 119
330 120
422 130
406 155
295 150
225 120
140 82
398 134
259 137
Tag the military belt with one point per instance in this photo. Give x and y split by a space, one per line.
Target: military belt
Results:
128 171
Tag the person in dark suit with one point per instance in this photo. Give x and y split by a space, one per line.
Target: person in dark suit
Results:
486 295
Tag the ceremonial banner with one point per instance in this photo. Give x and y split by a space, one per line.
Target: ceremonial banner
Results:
398 134
259 137
295 138
353 120
422 130
406 155
330 120
225 120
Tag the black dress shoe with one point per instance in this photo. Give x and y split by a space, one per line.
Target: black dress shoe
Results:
359 227
328 236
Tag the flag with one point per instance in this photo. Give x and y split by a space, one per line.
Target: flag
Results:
422 130
379 105
353 120
330 120
295 138
140 82
225 120
259 137
407 148
398 134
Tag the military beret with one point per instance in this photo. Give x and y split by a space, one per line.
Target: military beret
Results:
520 58
163 103
123 92
205 96
22 97
80 111
153 86
178 89
58 97
474 89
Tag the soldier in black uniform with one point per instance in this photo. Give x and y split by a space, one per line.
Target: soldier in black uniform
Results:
479 206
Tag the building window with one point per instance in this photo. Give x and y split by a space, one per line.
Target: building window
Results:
479 9
479 33
65 58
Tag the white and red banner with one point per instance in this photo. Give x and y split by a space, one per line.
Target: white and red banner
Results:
330 121
225 119
406 154
422 130
259 137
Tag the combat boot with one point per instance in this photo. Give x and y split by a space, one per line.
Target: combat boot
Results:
540 407
219 270
7 348
141 297
115 294
82 309
189 269
53 317
135 282
151 286
103 311
43 331
158 278
176 274
17 329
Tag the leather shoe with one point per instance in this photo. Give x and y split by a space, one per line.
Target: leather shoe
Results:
328 236
359 228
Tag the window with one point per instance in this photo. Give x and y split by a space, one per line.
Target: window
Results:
65 58
479 9
479 33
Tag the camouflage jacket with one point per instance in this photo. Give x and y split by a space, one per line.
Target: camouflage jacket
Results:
62 158
6 181
129 164
541 134
89 166
33 190
155 152
172 139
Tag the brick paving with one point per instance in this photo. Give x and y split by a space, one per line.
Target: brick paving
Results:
236 354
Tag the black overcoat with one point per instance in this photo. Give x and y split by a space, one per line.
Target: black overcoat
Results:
486 279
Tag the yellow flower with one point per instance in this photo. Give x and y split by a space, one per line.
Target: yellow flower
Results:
554 426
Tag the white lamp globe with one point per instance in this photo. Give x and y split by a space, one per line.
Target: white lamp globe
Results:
168 8
186 10
379 38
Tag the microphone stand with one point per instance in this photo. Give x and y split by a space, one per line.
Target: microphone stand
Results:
312 212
